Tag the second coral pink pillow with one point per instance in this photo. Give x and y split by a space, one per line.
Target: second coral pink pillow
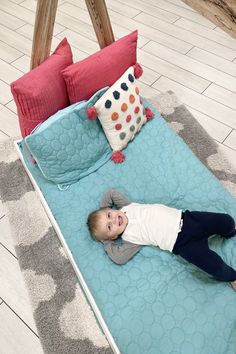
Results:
100 69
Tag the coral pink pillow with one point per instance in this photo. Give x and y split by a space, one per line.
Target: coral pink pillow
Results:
100 69
42 92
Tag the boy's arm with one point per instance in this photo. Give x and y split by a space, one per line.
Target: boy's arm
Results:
121 254
113 197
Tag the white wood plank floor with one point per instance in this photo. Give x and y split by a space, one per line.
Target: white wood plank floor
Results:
179 50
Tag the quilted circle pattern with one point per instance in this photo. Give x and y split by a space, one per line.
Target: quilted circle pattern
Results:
157 302
68 146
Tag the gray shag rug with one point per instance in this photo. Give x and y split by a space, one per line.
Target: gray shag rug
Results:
64 319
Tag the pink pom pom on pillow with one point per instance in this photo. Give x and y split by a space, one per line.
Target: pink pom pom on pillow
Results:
149 114
118 157
138 71
92 113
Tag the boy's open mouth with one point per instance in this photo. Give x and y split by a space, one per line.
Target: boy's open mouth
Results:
120 220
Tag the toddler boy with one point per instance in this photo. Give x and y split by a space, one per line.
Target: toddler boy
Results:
182 233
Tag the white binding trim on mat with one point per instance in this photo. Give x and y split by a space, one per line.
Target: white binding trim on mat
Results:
70 256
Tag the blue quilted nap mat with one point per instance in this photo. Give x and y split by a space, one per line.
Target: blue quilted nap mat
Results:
157 303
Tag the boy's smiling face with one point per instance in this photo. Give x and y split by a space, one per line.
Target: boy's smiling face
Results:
112 223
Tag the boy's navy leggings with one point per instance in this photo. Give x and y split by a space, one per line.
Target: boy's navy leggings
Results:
192 242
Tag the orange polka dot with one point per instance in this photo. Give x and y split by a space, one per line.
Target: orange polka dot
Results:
124 107
137 90
114 116
131 98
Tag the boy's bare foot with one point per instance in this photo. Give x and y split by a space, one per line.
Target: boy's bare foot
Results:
233 283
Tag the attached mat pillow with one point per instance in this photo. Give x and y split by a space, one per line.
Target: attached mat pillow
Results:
100 69
42 91
68 146
157 303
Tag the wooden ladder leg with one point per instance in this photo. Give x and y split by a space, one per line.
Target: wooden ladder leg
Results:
43 31
101 22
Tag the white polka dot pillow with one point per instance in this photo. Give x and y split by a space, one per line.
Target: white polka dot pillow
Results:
121 112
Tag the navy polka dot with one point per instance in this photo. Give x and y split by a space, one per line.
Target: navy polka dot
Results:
124 86
108 104
116 95
131 78
138 120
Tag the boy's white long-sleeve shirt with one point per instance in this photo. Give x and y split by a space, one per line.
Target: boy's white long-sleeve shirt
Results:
120 253
152 224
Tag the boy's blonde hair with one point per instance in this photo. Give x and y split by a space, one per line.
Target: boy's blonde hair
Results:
93 225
